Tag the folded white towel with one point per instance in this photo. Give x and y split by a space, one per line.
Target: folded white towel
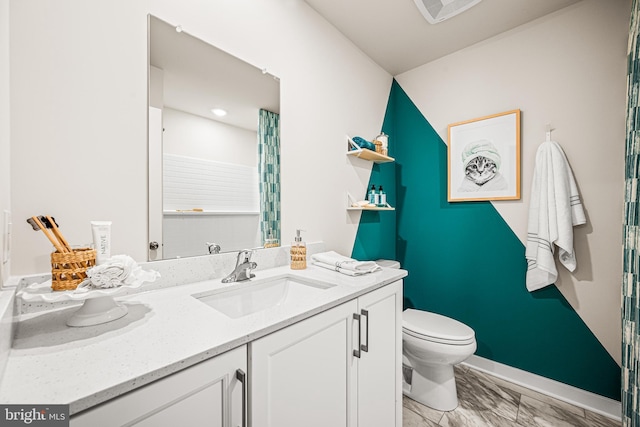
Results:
342 264
554 210
119 270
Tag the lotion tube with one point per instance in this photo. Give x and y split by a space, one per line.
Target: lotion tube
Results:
101 231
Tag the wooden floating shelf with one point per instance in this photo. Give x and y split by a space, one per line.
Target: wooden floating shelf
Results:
351 201
353 208
365 154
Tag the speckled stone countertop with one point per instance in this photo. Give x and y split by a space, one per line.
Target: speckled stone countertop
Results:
166 330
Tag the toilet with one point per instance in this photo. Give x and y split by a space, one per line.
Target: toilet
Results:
431 345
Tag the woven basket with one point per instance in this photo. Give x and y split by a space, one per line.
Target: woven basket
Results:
69 269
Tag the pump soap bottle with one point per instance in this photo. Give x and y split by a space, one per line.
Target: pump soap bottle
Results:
382 198
298 253
372 196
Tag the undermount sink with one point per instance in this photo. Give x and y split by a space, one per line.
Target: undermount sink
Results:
242 299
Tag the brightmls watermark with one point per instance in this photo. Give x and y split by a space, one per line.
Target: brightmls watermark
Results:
34 415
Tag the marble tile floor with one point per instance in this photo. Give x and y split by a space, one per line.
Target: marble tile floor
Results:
487 401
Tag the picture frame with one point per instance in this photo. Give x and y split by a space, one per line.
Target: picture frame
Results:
483 158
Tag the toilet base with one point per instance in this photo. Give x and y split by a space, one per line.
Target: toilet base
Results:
438 391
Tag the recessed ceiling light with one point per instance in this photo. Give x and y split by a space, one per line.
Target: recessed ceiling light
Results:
219 112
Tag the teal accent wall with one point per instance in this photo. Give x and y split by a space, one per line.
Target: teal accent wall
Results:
465 262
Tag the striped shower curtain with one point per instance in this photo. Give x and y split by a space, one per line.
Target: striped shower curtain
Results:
269 174
631 233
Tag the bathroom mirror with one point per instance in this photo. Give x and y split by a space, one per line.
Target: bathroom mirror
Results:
213 180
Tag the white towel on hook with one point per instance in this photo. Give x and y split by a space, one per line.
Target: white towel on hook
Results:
342 264
554 210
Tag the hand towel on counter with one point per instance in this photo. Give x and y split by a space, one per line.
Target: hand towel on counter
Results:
342 264
554 210
119 270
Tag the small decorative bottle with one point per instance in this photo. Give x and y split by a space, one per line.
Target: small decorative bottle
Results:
271 242
382 198
371 196
384 140
298 253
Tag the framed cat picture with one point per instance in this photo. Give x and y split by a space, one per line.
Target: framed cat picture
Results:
483 158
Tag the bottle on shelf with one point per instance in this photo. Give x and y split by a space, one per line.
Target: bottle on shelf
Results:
271 242
384 140
372 196
382 198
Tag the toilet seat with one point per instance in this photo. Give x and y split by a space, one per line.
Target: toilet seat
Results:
436 328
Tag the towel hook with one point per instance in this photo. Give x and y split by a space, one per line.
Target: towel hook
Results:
548 131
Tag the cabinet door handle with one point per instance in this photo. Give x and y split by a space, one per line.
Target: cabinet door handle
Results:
365 347
242 377
356 353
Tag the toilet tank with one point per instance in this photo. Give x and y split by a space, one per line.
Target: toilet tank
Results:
388 263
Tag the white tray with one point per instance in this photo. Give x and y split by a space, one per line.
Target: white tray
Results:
43 292
99 306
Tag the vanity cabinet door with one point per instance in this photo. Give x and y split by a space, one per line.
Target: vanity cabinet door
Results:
340 368
302 375
379 402
207 394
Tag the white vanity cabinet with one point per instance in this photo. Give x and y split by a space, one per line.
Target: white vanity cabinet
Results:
211 393
339 368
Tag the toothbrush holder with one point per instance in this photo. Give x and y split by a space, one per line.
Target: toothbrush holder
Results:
69 269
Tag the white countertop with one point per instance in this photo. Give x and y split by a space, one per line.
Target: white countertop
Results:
165 331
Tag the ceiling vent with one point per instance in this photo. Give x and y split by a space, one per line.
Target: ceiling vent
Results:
436 11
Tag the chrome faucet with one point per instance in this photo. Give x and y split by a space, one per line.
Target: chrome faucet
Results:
244 265
213 248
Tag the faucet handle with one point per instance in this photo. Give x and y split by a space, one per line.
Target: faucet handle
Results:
244 255
213 248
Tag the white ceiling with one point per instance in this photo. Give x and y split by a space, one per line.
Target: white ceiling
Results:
398 38
198 76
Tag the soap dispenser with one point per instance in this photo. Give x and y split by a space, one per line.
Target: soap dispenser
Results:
382 198
372 195
298 253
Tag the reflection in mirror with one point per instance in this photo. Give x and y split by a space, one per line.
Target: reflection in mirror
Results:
214 178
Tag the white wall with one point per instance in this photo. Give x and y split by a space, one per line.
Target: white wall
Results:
188 234
4 131
567 69
232 185
193 136
79 113
190 183
78 121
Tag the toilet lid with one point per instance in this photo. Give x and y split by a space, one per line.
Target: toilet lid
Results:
435 327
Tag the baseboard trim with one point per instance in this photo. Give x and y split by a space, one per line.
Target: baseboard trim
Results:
585 399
